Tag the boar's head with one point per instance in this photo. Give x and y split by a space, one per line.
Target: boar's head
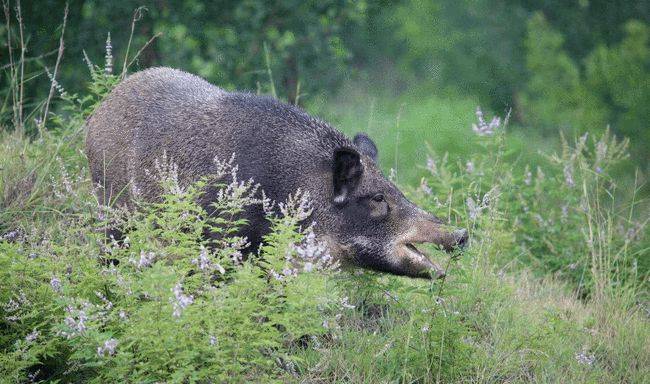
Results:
373 225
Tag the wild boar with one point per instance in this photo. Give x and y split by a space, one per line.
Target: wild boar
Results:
362 216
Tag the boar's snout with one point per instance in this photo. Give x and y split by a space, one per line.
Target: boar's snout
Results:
461 237
428 229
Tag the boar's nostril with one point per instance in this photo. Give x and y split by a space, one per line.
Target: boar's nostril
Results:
461 237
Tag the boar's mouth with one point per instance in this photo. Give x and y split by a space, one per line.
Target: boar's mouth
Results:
416 263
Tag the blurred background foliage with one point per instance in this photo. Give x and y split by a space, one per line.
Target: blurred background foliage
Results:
575 66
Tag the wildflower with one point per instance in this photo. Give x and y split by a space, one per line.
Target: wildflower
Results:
276 275
392 174
122 315
55 283
528 179
56 84
568 176
167 175
583 357
469 167
483 128
108 348
75 321
213 340
431 166
425 329
601 150
108 65
290 272
313 253
346 304
146 259
89 64
32 336
297 206
180 301
475 207
107 303
267 205
10 236
599 169
424 187
203 261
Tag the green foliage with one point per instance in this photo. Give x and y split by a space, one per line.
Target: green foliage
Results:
221 41
611 89
618 75
555 95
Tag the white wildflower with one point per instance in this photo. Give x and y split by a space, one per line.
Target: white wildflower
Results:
424 187
601 150
76 321
32 336
425 329
313 253
568 176
469 167
346 304
583 357
108 65
431 166
392 174
59 88
108 348
267 205
483 128
528 176
565 211
203 261
213 340
167 175
297 206
474 208
107 303
180 300
146 259
55 283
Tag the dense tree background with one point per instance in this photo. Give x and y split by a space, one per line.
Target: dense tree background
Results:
573 65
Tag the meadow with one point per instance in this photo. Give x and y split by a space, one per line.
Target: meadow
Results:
553 287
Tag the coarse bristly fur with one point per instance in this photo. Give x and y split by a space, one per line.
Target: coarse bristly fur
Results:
364 218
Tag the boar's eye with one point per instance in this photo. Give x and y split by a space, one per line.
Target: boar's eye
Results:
378 206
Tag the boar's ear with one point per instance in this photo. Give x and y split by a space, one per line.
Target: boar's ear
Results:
366 145
347 173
